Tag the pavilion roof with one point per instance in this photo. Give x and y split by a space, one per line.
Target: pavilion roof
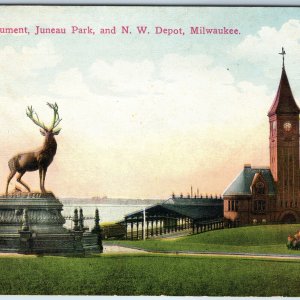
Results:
204 209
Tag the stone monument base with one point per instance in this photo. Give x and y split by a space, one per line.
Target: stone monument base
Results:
32 223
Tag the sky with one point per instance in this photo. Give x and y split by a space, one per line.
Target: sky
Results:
144 115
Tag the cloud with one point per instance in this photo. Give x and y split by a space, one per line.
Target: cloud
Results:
262 48
125 76
184 97
164 123
70 83
262 45
188 94
27 61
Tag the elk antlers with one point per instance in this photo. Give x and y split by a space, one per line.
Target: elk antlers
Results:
56 119
33 116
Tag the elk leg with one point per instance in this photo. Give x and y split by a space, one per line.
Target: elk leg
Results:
44 176
22 182
42 172
41 180
10 176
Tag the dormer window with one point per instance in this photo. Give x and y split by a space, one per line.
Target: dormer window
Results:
260 188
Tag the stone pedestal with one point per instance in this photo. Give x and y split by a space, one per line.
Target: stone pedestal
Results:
33 223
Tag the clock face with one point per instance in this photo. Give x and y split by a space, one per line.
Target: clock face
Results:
287 126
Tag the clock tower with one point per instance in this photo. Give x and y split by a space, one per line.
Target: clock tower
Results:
284 147
263 195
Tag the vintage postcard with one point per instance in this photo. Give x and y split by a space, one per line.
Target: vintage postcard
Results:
149 150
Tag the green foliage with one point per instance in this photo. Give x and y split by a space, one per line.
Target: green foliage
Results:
148 275
253 239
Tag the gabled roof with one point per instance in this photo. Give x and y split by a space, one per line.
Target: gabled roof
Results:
205 209
197 212
242 183
257 177
284 101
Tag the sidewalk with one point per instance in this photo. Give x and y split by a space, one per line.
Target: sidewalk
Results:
120 249
173 234
129 249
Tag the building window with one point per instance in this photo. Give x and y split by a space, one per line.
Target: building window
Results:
260 188
233 205
259 206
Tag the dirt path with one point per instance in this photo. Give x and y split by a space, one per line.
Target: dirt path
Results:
7 254
122 249
116 249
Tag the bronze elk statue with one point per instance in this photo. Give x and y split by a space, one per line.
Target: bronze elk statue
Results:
41 158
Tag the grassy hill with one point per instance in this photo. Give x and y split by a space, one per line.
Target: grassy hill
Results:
165 274
148 274
252 239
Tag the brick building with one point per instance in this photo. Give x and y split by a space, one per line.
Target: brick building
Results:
263 195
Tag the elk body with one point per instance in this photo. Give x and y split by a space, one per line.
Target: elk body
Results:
41 158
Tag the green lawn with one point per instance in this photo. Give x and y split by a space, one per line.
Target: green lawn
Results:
163 274
149 275
252 239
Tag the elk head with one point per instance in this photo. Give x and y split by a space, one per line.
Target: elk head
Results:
47 131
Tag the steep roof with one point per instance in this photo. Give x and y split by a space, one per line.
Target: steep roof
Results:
284 101
242 183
